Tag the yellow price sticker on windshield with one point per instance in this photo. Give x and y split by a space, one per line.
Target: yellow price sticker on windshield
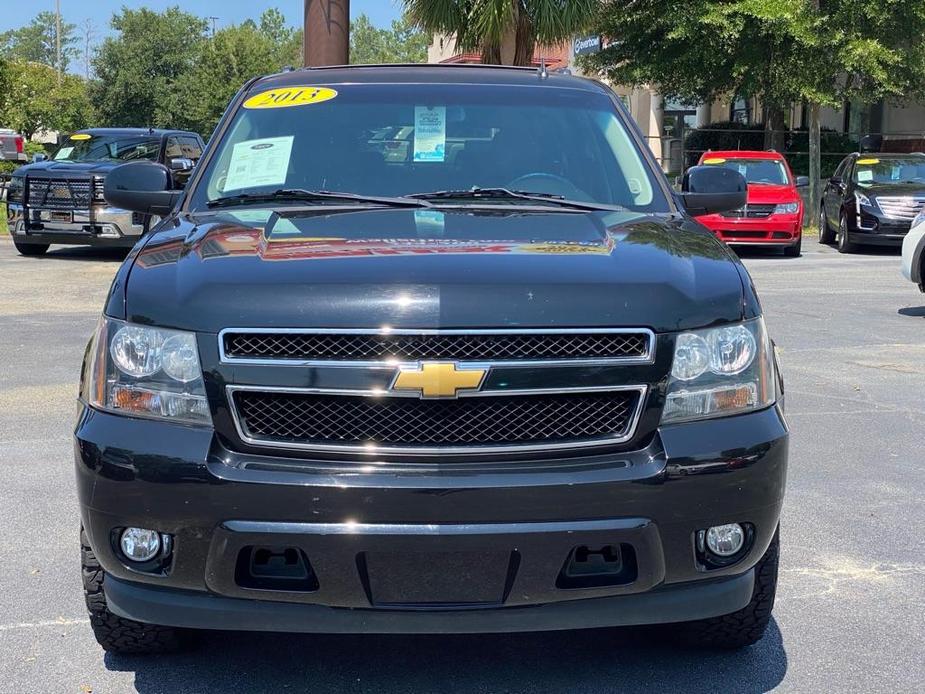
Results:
81 136
868 162
283 97
714 160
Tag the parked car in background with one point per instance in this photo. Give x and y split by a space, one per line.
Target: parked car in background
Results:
773 215
12 146
913 261
872 199
60 200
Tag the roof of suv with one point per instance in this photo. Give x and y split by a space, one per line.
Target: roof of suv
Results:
428 73
126 132
744 154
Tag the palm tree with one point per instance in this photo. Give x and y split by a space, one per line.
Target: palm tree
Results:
503 30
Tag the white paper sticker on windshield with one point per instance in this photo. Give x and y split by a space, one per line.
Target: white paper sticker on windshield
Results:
429 133
865 175
64 153
256 163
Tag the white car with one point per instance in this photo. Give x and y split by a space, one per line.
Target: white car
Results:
913 263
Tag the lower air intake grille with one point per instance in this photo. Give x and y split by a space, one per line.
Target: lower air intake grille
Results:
310 419
414 347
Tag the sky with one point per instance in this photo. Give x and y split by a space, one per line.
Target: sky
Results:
15 14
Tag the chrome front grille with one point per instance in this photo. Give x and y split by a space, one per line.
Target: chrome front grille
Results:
334 422
901 207
751 211
59 194
412 346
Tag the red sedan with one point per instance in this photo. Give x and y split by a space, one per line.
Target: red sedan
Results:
773 215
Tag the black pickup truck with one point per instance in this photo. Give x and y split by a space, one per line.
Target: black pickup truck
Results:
427 349
60 200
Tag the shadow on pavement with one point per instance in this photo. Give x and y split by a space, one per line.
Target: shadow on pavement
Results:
609 660
86 253
913 311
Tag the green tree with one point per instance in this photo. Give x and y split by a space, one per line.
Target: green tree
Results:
37 42
35 99
223 64
138 69
504 31
403 42
781 51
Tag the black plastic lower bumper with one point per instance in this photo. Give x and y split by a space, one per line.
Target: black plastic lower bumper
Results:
206 611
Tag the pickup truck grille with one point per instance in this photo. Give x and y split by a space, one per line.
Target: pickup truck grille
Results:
316 420
751 211
901 207
59 194
471 346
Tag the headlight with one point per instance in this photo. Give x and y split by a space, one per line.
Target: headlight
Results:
862 199
14 191
919 218
789 208
720 372
145 372
98 182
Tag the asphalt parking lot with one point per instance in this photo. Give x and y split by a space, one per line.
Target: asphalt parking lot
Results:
850 614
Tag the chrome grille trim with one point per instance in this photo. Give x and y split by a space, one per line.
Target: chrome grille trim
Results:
427 450
647 357
904 207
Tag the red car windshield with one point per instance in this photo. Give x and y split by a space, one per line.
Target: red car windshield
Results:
769 172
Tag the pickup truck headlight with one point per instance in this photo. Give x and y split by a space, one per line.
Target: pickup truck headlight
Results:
142 371
788 208
720 372
14 191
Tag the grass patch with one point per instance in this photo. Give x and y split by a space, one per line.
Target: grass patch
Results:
3 229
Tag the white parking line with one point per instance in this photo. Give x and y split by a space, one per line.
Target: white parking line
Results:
43 624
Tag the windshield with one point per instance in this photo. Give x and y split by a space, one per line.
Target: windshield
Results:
757 171
404 139
870 170
87 147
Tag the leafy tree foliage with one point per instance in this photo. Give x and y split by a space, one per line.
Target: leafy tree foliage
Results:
503 30
36 100
36 42
403 42
137 69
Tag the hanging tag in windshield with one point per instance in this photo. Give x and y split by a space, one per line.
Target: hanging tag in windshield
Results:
429 133
256 163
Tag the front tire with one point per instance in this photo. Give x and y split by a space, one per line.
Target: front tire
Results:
30 249
826 235
843 243
796 249
746 626
114 633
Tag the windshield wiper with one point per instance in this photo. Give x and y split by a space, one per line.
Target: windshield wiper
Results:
476 193
302 195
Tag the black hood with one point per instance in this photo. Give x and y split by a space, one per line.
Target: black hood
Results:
63 169
892 189
410 268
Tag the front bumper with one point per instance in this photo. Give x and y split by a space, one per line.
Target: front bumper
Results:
869 226
429 551
98 226
775 230
913 254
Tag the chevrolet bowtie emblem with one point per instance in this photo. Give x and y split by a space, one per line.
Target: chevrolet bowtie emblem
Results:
438 379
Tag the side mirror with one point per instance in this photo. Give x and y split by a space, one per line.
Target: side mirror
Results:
141 186
711 189
802 182
181 164
38 156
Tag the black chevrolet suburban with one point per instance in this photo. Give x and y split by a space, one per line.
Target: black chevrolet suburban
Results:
428 349
60 200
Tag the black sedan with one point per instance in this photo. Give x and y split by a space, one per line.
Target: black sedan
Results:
872 199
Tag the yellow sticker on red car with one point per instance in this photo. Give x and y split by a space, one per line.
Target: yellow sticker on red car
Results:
81 136
714 160
282 97
868 162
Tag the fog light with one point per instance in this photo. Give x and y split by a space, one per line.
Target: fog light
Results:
725 540
140 544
